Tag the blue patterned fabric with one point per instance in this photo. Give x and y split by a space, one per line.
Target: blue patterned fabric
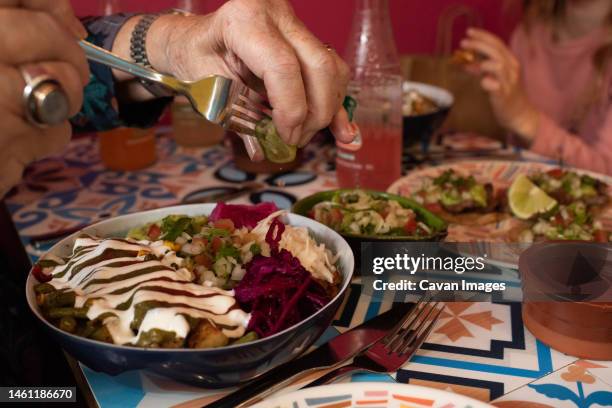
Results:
102 110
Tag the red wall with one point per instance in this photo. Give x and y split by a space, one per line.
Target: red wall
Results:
414 21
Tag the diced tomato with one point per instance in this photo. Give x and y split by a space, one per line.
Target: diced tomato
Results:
434 207
335 215
600 236
226 224
204 260
556 173
40 276
410 226
216 244
199 241
311 214
154 232
558 220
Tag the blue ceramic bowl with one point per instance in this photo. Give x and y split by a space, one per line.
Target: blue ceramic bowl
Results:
213 368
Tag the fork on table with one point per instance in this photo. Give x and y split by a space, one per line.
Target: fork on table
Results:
394 350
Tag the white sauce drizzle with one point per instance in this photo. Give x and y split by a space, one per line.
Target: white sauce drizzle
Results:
217 305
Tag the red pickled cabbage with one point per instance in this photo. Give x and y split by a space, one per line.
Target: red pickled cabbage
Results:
277 290
243 215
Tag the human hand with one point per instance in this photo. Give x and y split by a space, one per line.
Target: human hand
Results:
501 78
262 44
38 34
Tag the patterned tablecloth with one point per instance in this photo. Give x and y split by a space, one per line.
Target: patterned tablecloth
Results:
478 349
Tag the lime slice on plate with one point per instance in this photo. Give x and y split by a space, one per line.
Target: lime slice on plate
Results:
275 149
527 200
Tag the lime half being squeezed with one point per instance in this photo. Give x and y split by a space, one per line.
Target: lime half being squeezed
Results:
275 149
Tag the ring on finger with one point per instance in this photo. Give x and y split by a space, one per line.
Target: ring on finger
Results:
45 101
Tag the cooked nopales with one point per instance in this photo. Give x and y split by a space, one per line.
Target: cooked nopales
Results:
455 193
198 282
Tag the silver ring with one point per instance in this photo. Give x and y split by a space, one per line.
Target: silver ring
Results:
45 101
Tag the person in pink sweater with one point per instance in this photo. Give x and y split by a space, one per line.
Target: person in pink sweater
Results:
553 86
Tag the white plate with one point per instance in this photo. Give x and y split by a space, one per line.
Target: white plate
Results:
372 394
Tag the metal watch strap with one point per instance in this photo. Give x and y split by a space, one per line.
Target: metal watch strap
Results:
138 50
138 41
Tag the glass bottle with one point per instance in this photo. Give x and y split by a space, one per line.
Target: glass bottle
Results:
374 159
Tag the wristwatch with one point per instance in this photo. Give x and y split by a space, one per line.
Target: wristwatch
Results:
138 48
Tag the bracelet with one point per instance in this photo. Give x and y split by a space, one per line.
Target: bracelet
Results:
138 49
138 41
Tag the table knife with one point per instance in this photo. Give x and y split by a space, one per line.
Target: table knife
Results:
340 349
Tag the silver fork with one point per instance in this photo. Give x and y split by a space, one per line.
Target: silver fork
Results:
394 350
220 100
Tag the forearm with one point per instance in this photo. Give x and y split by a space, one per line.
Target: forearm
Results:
128 87
554 141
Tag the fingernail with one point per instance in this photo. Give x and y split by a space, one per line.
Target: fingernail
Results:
352 130
80 31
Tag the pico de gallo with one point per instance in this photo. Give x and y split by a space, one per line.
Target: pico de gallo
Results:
567 222
568 186
455 193
358 212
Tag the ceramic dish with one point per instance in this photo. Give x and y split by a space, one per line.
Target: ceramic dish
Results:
420 128
490 237
371 394
214 367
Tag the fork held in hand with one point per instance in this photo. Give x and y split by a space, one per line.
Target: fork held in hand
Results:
394 350
220 100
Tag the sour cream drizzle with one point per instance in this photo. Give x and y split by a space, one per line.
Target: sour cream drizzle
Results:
115 276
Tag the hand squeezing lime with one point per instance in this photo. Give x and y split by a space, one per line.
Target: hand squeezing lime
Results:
275 149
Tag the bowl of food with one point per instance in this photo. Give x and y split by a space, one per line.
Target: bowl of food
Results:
205 294
424 109
366 216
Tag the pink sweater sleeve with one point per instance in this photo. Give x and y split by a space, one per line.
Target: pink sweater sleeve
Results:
554 141
592 152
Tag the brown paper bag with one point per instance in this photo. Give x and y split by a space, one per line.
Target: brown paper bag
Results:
472 110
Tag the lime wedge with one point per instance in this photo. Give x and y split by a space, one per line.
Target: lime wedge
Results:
275 149
527 200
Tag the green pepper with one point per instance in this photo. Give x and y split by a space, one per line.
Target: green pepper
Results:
140 310
102 334
248 337
61 312
57 299
68 324
159 338
44 288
